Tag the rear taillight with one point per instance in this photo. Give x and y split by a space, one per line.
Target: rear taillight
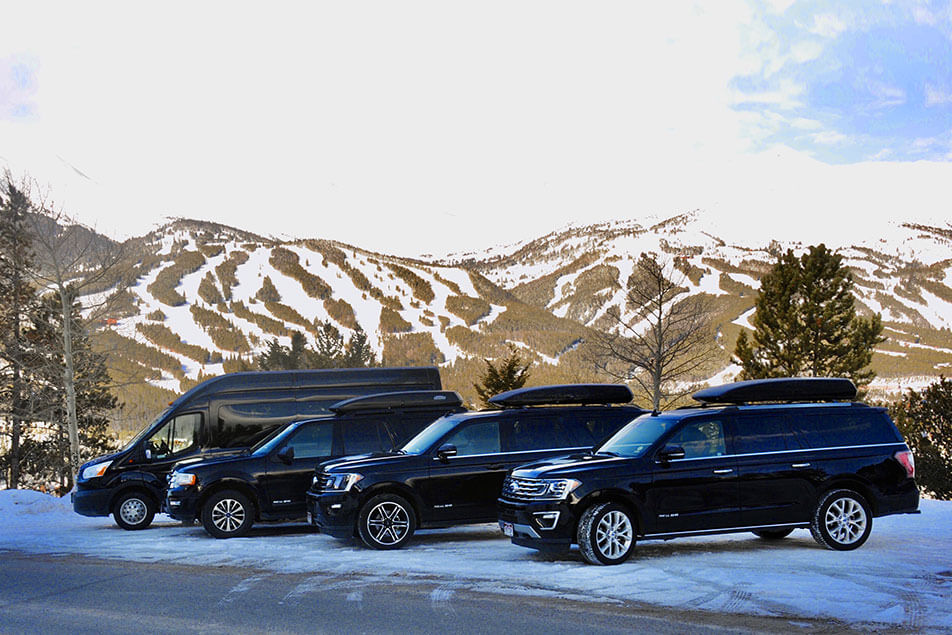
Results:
908 461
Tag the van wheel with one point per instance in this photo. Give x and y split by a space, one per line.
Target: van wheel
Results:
133 510
228 514
386 521
842 521
773 534
606 534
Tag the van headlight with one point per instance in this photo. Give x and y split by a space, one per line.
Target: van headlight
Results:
182 479
95 471
342 482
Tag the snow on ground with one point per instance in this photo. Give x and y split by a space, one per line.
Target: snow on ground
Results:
900 577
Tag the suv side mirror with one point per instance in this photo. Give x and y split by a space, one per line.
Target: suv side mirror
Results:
671 452
446 451
286 454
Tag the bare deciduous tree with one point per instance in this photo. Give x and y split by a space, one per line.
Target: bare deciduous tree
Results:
661 336
71 261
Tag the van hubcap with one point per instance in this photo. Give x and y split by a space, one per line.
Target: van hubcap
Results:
845 521
228 514
132 511
613 534
388 523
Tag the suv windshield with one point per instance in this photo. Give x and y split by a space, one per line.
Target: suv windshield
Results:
265 445
636 437
430 435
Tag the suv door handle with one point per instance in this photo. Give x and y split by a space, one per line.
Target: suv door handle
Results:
800 465
724 471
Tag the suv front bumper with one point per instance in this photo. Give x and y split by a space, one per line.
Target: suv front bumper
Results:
181 503
334 513
543 525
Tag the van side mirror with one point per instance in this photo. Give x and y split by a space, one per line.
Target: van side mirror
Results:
671 453
286 454
446 451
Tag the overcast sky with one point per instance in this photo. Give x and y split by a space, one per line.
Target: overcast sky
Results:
425 127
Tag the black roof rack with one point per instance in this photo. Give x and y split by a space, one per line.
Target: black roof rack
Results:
403 399
563 394
779 389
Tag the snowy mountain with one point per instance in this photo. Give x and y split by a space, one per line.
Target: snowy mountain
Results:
202 297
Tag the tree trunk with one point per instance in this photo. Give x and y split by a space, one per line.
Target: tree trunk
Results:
69 384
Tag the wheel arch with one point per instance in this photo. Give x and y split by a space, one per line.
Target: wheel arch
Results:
611 496
394 487
851 483
226 484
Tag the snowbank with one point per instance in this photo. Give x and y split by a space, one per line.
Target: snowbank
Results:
901 577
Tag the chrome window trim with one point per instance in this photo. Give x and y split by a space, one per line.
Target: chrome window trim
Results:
841 447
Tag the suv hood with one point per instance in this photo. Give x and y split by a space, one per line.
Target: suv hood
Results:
205 462
367 462
568 466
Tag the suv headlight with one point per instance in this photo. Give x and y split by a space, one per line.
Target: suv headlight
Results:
182 479
560 488
342 482
94 471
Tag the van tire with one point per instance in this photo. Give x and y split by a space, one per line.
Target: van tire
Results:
228 514
606 534
842 520
134 510
386 521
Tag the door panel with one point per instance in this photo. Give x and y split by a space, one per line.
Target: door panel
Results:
285 485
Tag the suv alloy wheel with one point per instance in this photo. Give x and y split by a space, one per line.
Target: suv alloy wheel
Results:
842 520
606 534
133 510
386 521
227 514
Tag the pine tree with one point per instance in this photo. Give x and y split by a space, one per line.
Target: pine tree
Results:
925 420
18 303
328 347
511 373
806 324
358 353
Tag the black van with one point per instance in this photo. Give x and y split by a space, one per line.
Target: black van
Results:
270 481
734 464
451 473
222 415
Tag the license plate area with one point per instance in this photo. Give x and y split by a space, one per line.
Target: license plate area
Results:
506 527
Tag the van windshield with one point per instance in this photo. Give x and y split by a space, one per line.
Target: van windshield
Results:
430 435
635 438
147 430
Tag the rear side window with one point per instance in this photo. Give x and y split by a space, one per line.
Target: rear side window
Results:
565 429
758 434
834 429
364 436
404 426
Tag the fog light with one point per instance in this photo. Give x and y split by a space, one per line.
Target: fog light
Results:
546 520
336 506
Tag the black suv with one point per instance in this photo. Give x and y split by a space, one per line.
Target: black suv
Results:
269 481
726 466
452 472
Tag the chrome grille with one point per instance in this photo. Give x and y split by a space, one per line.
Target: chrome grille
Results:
523 488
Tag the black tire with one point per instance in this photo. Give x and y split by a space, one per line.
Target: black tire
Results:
228 514
773 534
842 520
134 510
606 534
386 521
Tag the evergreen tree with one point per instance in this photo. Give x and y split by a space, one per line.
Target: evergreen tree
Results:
328 347
358 353
18 303
279 357
925 420
511 373
806 324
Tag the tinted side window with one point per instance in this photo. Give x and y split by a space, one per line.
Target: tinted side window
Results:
844 428
176 436
533 432
363 436
700 439
244 424
480 437
313 440
755 434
